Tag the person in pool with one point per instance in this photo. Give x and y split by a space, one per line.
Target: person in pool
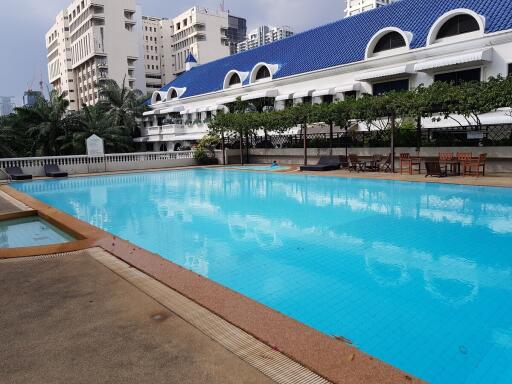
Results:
274 164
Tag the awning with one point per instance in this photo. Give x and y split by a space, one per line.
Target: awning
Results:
260 94
151 113
323 92
176 108
193 136
348 88
466 58
286 96
388 72
228 100
300 95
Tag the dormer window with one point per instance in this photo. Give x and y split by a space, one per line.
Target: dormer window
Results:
158 98
263 73
458 25
391 40
234 80
174 94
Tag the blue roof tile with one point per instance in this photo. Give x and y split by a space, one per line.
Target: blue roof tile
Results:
341 42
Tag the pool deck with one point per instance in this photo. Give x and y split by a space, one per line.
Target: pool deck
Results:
59 326
327 356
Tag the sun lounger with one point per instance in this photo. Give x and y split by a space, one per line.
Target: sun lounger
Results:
434 169
326 163
16 173
53 170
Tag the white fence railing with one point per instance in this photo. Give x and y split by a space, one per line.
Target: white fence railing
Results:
82 164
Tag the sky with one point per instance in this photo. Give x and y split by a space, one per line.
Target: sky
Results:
23 24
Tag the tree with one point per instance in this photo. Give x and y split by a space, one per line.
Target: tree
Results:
302 115
8 137
123 106
93 120
46 124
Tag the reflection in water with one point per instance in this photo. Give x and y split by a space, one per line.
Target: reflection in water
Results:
410 272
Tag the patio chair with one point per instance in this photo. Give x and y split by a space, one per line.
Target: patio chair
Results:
53 170
16 173
476 166
386 165
374 164
434 169
325 163
410 163
355 164
464 158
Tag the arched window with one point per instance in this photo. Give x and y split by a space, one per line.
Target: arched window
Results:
158 97
174 94
263 73
234 79
458 25
391 40
163 147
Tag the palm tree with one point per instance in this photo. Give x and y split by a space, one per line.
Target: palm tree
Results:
94 121
7 138
46 123
123 105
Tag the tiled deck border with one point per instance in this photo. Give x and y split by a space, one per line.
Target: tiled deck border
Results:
328 357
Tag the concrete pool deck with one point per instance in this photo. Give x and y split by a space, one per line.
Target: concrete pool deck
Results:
328 356
60 326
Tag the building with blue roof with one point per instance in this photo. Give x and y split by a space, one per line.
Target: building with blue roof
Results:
397 47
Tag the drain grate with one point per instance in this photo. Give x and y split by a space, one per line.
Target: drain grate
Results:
272 363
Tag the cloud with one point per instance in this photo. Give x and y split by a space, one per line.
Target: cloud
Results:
23 24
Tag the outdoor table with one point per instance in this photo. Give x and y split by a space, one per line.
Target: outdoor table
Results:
454 166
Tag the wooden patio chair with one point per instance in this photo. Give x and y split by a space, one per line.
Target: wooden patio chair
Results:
409 163
476 166
386 165
355 164
464 157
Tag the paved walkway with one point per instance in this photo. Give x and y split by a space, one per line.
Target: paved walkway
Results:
71 320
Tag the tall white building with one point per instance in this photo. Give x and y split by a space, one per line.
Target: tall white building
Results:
264 35
357 6
156 51
91 41
207 34
7 105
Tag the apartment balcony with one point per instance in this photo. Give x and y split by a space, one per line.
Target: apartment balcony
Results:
128 14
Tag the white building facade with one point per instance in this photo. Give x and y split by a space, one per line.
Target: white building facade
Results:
357 6
156 51
205 33
264 35
90 42
472 43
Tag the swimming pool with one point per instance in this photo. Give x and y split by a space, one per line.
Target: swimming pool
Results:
418 275
268 168
30 232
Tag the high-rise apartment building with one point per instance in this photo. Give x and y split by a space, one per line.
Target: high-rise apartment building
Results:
207 34
95 40
264 35
357 6
157 54
6 105
91 41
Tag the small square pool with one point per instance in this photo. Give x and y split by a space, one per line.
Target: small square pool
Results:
30 232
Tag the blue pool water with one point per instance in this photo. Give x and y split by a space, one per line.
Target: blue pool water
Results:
268 168
30 232
418 275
